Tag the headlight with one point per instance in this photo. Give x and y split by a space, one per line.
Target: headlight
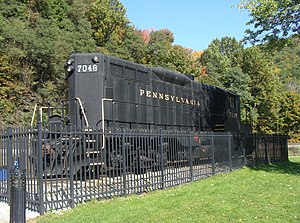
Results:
70 68
69 65
95 59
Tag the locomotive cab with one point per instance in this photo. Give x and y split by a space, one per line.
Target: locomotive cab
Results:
233 112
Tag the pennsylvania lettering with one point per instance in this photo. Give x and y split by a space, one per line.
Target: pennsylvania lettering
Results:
168 97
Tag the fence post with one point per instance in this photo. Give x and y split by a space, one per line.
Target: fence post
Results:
190 156
254 141
213 154
17 194
244 149
162 159
9 159
124 161
274 146
40 167
72 169
266 149
286 148
229 151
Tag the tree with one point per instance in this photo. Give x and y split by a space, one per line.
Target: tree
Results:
223 61
289 115
196 68
36 37
181 59
287 61
159 48
130 46
272 20
265 89
219 57
107 17
237 81
37 41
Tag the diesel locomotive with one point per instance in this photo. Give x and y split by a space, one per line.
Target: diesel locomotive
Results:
105 92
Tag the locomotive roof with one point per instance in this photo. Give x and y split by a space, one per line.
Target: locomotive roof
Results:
162 73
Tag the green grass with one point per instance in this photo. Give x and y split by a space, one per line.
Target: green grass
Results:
269 193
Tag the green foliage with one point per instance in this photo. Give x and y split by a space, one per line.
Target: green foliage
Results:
37 36
15 103
272 20
13 9
223 61
289 115
287 61
219 58
107 18
129 46
216 63
159 48
181 59
265 90
235 80
252 74
38 42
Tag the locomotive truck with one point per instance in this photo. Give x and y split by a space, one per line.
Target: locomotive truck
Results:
105 92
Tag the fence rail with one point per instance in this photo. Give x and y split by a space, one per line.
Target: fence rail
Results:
64 167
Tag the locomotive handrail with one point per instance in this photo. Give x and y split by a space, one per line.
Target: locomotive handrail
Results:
34 111
81 108
40 113
83 112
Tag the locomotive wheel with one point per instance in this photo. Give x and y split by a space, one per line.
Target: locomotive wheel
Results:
90 172
160 161
115 164
141 164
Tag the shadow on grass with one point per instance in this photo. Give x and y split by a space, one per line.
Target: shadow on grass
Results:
287 167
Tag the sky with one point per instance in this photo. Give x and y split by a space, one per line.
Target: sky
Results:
194 23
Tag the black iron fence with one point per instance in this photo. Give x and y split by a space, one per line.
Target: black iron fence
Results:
65 167
294 149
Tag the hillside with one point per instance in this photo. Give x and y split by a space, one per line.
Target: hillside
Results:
36 38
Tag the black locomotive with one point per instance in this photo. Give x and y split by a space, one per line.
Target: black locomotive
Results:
106 92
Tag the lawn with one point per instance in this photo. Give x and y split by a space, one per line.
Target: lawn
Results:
269 193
